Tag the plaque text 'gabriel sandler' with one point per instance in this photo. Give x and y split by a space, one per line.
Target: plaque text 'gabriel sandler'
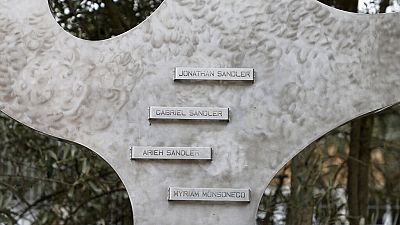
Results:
189 113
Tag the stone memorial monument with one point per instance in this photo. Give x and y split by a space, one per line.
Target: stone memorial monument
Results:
200 105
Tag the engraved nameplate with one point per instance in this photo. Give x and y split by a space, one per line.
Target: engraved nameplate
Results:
188 113
209 194
180 153
228 74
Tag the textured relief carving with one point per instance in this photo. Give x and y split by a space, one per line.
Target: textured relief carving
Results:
72 88
316 68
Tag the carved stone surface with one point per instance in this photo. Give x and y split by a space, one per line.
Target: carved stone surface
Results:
316 68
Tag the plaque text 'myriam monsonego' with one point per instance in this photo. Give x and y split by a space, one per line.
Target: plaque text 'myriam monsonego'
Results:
228 74
209 194
189 113
179 153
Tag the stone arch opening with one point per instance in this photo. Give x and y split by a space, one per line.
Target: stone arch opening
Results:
364 6
101 19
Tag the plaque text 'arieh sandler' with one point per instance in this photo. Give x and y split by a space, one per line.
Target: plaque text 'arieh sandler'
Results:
188 113
209 194
227 74
177 153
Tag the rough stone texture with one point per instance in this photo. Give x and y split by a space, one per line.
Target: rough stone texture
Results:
317 68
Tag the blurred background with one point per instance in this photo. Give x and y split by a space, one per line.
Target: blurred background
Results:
101 19
48 181
349 176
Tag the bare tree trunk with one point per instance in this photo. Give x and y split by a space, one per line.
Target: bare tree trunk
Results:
353 171
118 22
383 5
305 171
358 168
365 162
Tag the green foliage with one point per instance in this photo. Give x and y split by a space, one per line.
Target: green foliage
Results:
46 181
101 19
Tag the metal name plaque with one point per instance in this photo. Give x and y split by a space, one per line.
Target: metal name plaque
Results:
180 153
227 74
209 194
188 113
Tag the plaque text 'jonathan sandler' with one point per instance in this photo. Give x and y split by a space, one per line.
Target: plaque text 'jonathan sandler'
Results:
227 74
209 194
188 113
178 153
